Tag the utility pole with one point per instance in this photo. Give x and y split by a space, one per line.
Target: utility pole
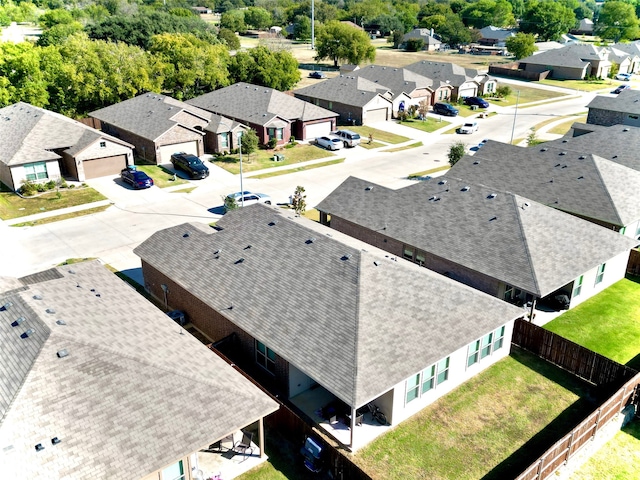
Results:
313 30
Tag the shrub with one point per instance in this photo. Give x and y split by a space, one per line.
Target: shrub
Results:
503 91
28 188
272 143
50 185
41 187
72 186
290 145
414 45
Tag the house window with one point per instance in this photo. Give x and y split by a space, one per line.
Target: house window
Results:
36 171
174 472
600 274
623 230
330 105
277 133
103 144
443 370
265 357
413 388
485 345
420 257
474 349
577 286
408 252
508 292
498 338
224 140
428 378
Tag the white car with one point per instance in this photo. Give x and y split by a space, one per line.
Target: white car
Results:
624 76
249 198
469 127
330 142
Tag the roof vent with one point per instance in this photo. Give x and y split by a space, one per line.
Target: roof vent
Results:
477 162
72 272
18 321
39 447
625 129
562 153
492 195
369 188
37 297
310 241
185 235
493 218
272 223
525 205
50 310
346 256
581 157
62 353
55 441
61 322
580 177
442 182
615 156
247 247
240 260
6 306
558 164
376 263
544 149
434 199
564 166
564 141
28 333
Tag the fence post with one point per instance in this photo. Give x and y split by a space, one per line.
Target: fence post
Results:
539 472
573 432
595 430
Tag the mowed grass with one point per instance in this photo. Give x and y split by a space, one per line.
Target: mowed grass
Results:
527 95
564 127
262 159
618 459
161 176
58 218
583 85
428 125
608 323
14 206
492 427
380 135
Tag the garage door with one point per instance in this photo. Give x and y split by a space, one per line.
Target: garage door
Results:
317 130
100 167
375 116
167 150
467 92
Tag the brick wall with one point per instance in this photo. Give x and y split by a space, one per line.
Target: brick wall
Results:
607 118
144 148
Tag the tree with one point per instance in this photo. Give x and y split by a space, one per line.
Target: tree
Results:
617 21
521 45
532 138
423 109
503 91
263 66
548 19
249 143
340 42
414 44
20 65
55 17
258 18
483 13
298 200
57 34
396 38
230 203
229 38
453 32
233 20
302 28
456 152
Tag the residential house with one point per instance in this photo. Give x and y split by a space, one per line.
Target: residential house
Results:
272 114
39 146
622 61
585 27
202 10
466 82
572 62
495 36
623 109
431 43
99 383
355 99
500 243
159 125
320 316
633 50
575 181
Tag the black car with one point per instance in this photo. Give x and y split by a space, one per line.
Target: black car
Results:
317 74
445 109
477 101
136 178
190 164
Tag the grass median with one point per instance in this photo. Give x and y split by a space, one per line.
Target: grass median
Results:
15 206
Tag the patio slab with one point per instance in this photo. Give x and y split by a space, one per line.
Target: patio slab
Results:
226 463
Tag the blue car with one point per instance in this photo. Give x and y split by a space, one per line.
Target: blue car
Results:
477 101
136 178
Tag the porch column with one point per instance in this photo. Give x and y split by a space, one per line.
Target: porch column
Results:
261 436
353 424
533 307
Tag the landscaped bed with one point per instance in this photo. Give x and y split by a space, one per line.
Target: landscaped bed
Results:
14 206
607 323
492 427
264 158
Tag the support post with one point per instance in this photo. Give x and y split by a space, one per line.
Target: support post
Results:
261 436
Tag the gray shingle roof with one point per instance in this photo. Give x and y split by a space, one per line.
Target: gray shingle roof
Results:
578 183
397 80
572 55
346 89
499 237
447 72
151 115
30 134
327 303
259 105
133 395
627 101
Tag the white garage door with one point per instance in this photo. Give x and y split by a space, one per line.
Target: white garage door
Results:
375 116
167 150
467 92
317 130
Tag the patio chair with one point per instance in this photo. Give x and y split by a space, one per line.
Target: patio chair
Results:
244 445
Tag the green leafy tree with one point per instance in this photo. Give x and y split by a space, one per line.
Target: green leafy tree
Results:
488 12
340 42
230 203
503 91
547 19
302 28
20 65
617 21
57 34
396 38
229 38
258 18
55 17
298 200
532 138
453 32
324 12
262 66
249 143
414 44
521 45
456 152
233 20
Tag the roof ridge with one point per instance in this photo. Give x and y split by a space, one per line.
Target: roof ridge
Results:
597 161
356 336
526 246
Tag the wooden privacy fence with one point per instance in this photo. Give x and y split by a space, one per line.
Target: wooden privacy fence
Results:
589 366
633 267
511 70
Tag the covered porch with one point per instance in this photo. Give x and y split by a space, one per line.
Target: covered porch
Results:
336 423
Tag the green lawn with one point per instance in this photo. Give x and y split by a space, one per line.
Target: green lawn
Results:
491 427
381 135
564 127
14 206
429 124
299 169
424 173
406 147
527 95
606 323
161 176
57 218
618 459
584 85
264 158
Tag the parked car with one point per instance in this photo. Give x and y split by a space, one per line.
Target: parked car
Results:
468 127
620 89
330 142
477 101
190 164
445 109
349 138
136 178
249 198
624 76
317 74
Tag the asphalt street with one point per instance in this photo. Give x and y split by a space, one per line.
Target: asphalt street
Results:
135 215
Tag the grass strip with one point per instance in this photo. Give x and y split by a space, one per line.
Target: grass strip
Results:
298 169
57 218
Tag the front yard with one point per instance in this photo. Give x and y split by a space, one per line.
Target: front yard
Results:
14 206
606 323
262 159
523 95
428 125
